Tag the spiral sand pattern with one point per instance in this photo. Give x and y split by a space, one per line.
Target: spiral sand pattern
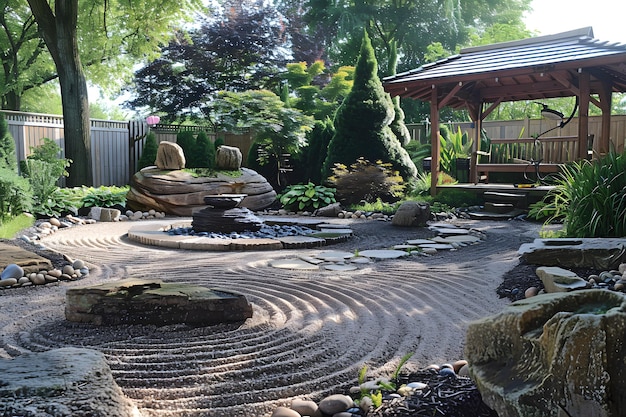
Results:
311 332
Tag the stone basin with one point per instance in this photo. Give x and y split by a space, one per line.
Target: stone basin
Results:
142 301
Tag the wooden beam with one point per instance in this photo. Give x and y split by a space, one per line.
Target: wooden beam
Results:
605 106
434 141
491 108
583 113
449 96
520 89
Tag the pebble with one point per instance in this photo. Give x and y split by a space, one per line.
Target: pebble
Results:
12 271
68 270
285 412
38 279
78 264
531 292
7 282
23 280
335 403
304 407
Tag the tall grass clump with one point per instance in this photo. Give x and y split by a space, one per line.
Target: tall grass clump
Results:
590 198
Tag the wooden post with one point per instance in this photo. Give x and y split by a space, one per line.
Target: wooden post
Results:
434 141
583 114
475 112
605 105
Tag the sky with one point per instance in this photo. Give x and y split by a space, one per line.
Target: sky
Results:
607 17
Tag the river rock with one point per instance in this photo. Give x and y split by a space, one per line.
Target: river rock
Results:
7 282
411 214
553 352
331 210
179 193
12 271
335 403
305 407
285 412
170 156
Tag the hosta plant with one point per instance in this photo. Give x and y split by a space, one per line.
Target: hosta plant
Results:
307 197
104 196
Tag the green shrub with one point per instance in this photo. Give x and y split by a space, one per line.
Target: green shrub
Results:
15 194
377 206
590 197
186 140
104 196
366 181
203 155
307 197
48 152
42 177
59 202
149 153
8 159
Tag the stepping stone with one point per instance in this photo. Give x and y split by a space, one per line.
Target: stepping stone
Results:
438 246
450 231
311 260
334 255
429 251
443 226
340 267
297 242
383 253
419 242
294 263
360 260
405 247
342 231
331 226
456 239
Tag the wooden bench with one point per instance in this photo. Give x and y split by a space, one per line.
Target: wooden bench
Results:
517 155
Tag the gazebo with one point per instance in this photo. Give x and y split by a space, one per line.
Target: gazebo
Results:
478 79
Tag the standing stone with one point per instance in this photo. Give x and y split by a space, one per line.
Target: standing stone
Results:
170 156
411 214
331 210
228 158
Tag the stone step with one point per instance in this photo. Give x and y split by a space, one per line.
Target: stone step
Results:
499 208
518 200
484 215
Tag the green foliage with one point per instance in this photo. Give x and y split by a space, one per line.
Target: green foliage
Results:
315 152
42 177
149 153
50 153
306 197
218 142
59 202
362 122
453 145
15 194
8 159
366 181
457 198
384 384
378 206
590 197
421 185
12 225
104 196
418 151
187 141
203 155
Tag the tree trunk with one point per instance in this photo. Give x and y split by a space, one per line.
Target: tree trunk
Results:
59 33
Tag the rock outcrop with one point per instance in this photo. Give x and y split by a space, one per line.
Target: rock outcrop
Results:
553 355
66 382
179 193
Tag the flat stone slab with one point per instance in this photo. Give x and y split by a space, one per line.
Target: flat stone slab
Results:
334 255
450 230
456 239
419 242
598 253
28 261
340 267
343 231
293 263
383 253
141 301
405 247
438 246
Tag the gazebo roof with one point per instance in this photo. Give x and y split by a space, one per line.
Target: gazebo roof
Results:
529 69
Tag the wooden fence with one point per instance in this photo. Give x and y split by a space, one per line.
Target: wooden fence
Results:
116 146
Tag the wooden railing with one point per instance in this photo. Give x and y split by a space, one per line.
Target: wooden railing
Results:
527 155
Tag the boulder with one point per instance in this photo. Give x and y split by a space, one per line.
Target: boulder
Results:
228 158
411 214
553 355
597 253
331 210
103 214
140 301
179 193
170 156
66 382
557 279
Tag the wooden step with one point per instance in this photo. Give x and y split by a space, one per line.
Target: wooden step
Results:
499 208
518 200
